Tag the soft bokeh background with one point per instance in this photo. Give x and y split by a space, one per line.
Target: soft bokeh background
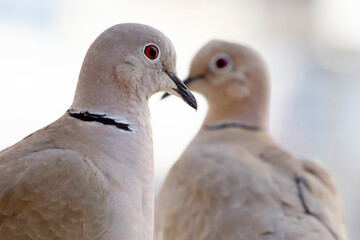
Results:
312 48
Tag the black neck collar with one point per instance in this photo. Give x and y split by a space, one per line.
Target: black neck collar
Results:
101 118
232 125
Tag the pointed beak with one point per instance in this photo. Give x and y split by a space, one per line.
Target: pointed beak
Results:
190 80
186 82
183 91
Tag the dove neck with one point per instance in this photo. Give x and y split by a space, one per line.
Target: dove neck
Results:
113 101
252 112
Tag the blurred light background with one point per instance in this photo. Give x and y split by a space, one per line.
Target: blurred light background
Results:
312 48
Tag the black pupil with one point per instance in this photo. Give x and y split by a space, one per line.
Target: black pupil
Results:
152 52
220 63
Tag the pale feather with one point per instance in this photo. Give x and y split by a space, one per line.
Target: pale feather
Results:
236 184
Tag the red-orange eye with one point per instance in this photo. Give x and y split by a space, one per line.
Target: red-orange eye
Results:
151 52
221 63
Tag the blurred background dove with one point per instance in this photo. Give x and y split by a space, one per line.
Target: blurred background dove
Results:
312 48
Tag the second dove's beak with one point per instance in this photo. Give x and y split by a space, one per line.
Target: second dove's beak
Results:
186 82
183 91
189 80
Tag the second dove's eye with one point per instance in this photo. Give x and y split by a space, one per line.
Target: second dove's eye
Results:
220 62
151 51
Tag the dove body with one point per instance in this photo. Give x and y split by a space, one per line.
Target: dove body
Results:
233 181
89 174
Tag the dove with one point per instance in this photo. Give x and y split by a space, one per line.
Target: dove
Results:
233 181
89 174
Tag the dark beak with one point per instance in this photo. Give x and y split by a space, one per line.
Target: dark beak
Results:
190 80
183 91
186 82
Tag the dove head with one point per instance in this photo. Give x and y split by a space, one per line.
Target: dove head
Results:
234 80
128 63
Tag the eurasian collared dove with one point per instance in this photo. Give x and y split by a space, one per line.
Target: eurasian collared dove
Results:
89 174
233 181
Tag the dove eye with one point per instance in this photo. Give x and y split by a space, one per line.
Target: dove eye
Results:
151 52
221 62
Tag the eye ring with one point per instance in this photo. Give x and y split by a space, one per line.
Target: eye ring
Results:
220 62
151 52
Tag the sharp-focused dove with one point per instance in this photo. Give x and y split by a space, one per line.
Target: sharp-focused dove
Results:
89 174
233 181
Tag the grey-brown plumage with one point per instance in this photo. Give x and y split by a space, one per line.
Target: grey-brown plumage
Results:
233 181
89 174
